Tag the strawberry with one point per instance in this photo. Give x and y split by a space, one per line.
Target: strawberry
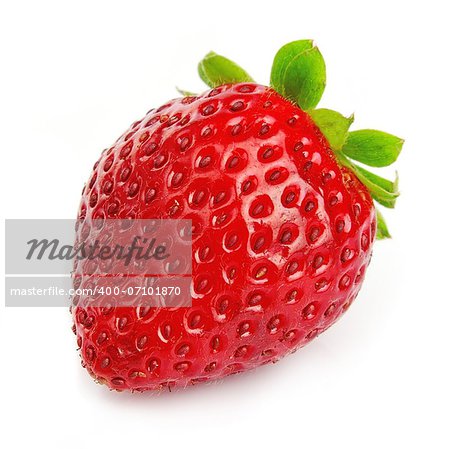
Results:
283 223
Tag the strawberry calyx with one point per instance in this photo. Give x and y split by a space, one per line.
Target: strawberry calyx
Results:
299 74
215 70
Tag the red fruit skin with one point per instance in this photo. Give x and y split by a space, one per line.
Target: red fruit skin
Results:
282 237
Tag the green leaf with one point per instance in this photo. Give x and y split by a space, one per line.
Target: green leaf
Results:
372 147
216 70
186 93
334 126
202 74
298 73
282 59
382 229
382 190
389 186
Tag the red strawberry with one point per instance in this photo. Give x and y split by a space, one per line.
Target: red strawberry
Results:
283 224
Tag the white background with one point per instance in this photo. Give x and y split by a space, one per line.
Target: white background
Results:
74 75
